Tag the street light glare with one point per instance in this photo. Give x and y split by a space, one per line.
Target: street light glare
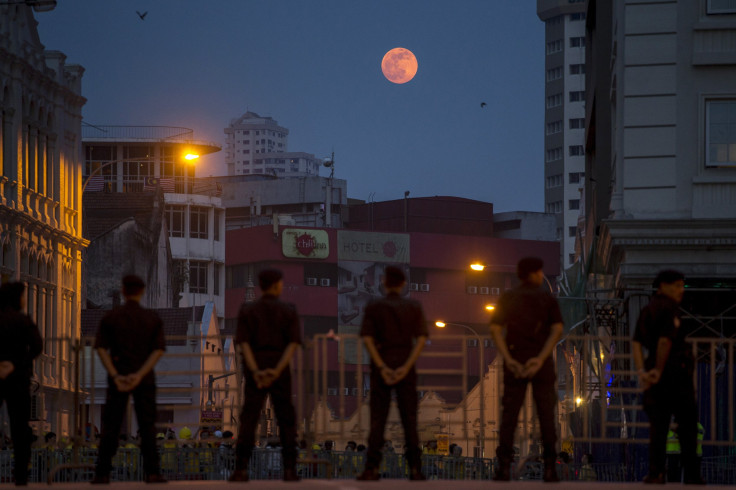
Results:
578 401
477 266
490 307
191 157
440 324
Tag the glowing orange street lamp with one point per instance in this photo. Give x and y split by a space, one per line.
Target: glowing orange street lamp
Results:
191 157
490 307
477 266
440 324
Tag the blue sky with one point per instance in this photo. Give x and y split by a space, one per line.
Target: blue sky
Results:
314 66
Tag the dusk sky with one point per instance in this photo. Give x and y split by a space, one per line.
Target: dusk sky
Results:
315 67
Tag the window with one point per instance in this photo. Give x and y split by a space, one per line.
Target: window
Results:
554 101
246 132
577 95
576 150
175 221
572 231
198 222
216 225
554 74
575 177
216 286
554 207
721 7
577 123
554 46
198 277
577 69
577 42
577 16
554 154
554 127
553 21
573 204
554 181
720 133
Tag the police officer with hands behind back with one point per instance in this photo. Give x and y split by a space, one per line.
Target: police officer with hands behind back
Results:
533 324
130 341
21 343
666 375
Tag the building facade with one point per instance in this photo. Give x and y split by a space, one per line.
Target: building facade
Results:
41 201
256 200
142 159
258 145
661 130
564 117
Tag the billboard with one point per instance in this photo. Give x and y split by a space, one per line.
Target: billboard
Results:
297 243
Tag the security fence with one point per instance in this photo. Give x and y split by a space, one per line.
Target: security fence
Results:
199 386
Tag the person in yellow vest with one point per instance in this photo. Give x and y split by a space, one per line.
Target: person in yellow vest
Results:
189 457
169 456
674 470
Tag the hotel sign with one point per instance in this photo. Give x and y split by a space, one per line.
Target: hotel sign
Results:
373 247
297 243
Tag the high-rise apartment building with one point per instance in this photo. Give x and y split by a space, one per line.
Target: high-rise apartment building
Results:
564 117
258 145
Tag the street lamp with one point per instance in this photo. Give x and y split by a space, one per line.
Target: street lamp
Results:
477 266
441 324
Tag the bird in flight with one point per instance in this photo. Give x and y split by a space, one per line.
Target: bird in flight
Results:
483 104
142 15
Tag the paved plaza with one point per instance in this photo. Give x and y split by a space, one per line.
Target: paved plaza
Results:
385 484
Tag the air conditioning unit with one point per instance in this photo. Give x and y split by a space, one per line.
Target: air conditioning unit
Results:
331 391
355 391
324 281
485 290
413 286
472 342
366 392
424 288
311 281
496 291
486 343
472 290
346 391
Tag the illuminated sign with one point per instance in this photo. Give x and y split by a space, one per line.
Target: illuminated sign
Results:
297 243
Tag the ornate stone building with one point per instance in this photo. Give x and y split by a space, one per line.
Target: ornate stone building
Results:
41 199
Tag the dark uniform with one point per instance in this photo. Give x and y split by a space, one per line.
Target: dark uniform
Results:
674 393
268 326
528 312
131 333
394 323
21 343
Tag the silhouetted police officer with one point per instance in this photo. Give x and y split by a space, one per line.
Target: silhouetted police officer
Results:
130 341
533 324
20 343
268 333
394 331
667 377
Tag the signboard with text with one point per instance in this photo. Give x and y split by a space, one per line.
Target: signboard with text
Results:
390 248
297 243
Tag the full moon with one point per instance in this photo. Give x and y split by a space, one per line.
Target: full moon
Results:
399 65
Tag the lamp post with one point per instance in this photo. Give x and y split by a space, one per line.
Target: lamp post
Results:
482 434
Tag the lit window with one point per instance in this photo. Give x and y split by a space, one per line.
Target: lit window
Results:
721 133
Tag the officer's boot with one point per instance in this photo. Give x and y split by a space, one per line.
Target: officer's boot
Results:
503 470
550 472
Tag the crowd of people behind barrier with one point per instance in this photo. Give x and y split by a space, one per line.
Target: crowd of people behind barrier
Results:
211 456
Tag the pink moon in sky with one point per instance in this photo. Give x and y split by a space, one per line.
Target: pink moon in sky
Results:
399 65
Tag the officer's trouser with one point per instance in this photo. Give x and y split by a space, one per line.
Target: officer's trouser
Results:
380 402
15 391
280 392
545 398
673 395
144 400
